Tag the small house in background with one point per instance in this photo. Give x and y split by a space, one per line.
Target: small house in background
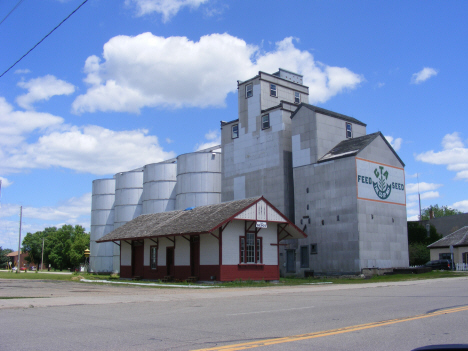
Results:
459 240
446 225
13 259
226 241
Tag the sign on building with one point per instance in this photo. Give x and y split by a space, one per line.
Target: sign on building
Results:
261 225
380 182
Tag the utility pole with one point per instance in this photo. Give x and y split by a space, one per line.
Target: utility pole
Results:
419 196
42 258
19 242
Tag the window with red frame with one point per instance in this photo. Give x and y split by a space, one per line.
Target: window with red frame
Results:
154 257
250 245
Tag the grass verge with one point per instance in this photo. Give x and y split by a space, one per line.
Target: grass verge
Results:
50 276
249 283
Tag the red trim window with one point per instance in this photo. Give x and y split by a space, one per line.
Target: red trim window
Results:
154 257
250 245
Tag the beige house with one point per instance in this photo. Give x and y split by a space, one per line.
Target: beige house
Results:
459 240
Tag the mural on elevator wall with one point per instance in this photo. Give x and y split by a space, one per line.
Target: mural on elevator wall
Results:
379 182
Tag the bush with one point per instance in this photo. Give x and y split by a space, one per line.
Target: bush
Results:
419 254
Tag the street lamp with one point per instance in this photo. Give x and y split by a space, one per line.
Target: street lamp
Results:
86 254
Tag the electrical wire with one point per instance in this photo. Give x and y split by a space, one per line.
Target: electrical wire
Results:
9 13
22 57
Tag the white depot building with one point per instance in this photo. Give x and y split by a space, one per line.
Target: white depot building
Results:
343 187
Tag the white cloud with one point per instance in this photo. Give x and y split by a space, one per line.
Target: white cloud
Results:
5 182
423 75
323 81
461 206
42 88
69 211
174 72
423 187
213 138
412 211
424 196
454 155
14 125
452 141
168 8
74 211
22 71
169 141
396 143
415 175
92 149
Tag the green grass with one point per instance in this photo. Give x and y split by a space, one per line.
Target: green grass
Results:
22 297
375 278
50 276
346 280
247 283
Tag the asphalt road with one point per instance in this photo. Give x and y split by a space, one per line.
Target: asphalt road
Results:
385 316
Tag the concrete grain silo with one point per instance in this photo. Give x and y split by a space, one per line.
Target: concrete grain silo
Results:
102 223
159 183
128 202
198 179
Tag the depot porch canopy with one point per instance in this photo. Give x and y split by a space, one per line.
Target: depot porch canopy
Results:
204 220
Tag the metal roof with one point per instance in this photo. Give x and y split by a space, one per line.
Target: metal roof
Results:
199 220
457 238
352 146
328 113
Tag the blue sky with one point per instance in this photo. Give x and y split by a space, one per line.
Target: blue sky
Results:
125 83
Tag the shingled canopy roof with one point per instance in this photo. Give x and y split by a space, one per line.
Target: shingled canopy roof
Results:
352 146
199 220
457 238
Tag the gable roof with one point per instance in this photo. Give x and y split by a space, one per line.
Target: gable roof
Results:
199 220
457 238
352 146
328 113
15 254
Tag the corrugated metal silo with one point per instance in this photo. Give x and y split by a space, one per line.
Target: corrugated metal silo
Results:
159 183
128 202
198 179
102 223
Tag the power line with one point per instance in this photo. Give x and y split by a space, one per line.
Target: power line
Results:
22 57
14 8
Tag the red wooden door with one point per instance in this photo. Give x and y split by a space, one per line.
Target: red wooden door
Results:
137 260
195 256
170 260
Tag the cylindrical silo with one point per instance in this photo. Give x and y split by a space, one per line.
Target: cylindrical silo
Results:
128 202
198 179
102 223
159 182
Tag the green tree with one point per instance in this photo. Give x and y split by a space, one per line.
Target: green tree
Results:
3 256
439 211
417 234
418 241
79 245
418 254
32 244
63 247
